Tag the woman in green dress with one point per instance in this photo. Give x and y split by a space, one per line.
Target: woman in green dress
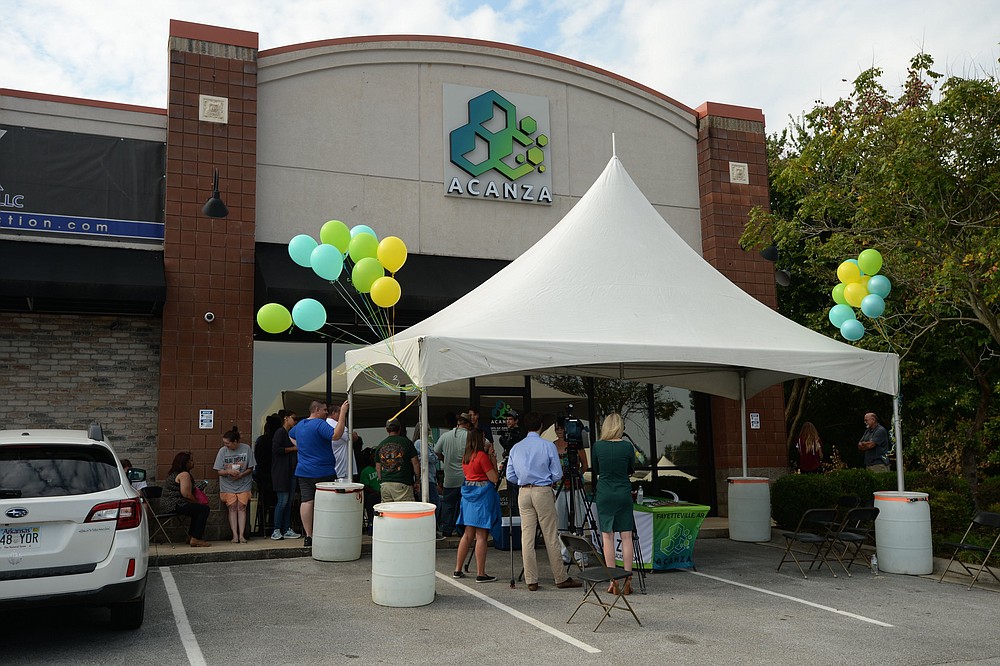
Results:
612 461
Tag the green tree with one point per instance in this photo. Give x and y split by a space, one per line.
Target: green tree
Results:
915 175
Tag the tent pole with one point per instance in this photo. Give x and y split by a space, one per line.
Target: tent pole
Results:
743 417
654 460
898 432
350 430
588 383
425 485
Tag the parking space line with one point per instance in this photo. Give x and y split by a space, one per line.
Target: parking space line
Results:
519 615
194 655
790 598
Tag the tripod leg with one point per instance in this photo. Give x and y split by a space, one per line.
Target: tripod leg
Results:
638 566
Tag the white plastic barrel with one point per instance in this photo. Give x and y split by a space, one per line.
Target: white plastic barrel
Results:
749 508
403 550
903 533
338 514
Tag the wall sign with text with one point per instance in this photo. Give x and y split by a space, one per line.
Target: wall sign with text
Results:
496 145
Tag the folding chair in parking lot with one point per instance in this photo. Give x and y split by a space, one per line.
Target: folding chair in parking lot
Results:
160 518
595 575
810 533
857 531
984 524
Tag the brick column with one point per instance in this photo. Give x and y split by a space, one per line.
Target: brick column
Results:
209 263
732 179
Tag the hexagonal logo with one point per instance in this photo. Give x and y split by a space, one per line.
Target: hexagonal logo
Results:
496 145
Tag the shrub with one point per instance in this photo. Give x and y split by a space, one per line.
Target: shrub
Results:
859 482
793 495
951 513
989 492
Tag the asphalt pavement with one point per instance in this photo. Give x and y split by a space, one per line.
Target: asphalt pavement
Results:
734 609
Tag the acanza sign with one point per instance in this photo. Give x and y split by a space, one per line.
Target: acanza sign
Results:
496 145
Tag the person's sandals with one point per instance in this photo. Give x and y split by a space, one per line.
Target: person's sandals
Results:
628 586
613 588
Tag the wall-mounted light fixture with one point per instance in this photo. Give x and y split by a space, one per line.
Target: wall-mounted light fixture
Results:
770 253
214 207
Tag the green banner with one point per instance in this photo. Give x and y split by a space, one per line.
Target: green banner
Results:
667 531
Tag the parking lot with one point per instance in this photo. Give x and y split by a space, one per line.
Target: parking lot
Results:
735 608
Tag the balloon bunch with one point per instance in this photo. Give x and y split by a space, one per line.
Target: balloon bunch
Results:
860 287
356 252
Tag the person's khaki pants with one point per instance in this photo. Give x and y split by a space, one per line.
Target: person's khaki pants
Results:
878 467
538 507
396 492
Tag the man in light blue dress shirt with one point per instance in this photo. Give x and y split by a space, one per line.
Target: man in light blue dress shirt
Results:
533 464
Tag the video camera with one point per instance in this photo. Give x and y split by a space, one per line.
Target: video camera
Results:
574 429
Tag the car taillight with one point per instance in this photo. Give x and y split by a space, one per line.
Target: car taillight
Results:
127 513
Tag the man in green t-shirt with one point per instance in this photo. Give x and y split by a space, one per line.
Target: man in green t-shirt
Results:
397 464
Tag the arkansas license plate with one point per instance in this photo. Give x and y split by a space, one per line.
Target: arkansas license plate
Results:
20 537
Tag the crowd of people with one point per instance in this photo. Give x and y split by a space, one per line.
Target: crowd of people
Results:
294 454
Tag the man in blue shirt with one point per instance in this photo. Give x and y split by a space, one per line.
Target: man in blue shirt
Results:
533 464
875 444
314 438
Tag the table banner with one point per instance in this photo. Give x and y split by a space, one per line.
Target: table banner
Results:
667 531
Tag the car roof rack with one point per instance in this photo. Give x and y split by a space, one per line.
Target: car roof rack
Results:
95 432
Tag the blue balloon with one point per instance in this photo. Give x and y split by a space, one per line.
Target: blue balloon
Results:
879 285
852 330
309 314
873 305
327 262
362 229
299 249
840 313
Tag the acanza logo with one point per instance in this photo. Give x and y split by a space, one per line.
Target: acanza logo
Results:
517 139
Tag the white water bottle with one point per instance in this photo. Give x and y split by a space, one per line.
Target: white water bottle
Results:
638 496
874 564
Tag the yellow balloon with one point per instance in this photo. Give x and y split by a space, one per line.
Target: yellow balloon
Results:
848 272
391 253
854 293
385 292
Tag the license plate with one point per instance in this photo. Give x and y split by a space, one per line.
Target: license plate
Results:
20 537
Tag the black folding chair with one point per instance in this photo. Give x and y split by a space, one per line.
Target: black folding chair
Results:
595 575
984 526
856 532
843 504
159 517
811 533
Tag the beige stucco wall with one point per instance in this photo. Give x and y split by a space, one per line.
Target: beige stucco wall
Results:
354 131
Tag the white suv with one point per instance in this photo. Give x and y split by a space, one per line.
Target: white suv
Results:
71 526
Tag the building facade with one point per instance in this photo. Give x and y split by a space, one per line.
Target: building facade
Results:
469 151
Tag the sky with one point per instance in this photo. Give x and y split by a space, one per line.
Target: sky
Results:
778 56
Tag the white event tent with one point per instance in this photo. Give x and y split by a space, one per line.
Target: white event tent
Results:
613 291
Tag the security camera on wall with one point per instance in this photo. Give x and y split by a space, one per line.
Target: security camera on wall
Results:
209 317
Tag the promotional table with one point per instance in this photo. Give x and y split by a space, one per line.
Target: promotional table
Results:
667 531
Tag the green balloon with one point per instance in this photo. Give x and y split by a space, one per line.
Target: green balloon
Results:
838 294
337 234
274 318
366 272
363 246
870 261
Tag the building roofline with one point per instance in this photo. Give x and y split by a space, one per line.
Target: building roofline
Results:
342 41
79 101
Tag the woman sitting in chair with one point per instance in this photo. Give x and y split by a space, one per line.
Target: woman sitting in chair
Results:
613 462
178 495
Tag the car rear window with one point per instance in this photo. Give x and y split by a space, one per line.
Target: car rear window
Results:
53 470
